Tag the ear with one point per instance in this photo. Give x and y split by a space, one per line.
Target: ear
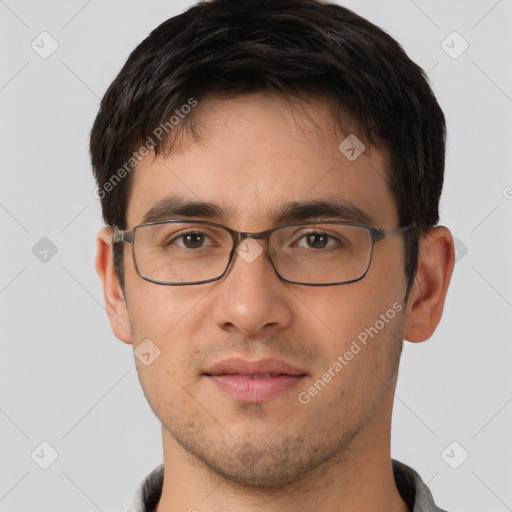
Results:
114 297
428 293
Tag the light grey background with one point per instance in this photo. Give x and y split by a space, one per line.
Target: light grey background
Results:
64 377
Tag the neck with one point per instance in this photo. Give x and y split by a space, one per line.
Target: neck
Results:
358 479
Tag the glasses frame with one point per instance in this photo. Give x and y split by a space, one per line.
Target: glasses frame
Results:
376 235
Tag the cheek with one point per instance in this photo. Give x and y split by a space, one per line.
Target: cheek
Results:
170 380
162 312
338 314
386 276
359 323
163 389
172 319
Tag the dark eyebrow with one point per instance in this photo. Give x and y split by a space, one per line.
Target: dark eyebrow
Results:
335 209
297 211
172 207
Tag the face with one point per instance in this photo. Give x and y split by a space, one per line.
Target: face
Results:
258 154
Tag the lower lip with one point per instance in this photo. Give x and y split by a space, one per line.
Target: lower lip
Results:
248 389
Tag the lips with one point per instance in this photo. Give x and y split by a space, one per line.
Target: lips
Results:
240 366
254 381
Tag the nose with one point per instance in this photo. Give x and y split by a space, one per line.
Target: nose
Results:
251 296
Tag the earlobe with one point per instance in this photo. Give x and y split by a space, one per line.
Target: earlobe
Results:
428 293
115 303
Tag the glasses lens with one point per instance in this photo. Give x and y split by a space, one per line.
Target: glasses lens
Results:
181 252
321 253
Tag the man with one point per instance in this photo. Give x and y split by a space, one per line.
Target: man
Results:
270 174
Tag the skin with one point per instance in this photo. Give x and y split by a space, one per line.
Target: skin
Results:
333 453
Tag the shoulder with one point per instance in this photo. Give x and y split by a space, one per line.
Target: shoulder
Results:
413 490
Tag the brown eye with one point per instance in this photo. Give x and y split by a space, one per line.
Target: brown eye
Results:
316 241
193 240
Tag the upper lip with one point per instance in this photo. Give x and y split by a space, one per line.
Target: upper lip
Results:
237 365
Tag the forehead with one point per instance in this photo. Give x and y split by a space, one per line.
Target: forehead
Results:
257 153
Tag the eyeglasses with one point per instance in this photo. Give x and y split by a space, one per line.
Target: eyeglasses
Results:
316 253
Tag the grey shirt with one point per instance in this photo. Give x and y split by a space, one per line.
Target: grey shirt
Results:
409 484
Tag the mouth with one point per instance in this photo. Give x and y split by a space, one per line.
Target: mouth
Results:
254 381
